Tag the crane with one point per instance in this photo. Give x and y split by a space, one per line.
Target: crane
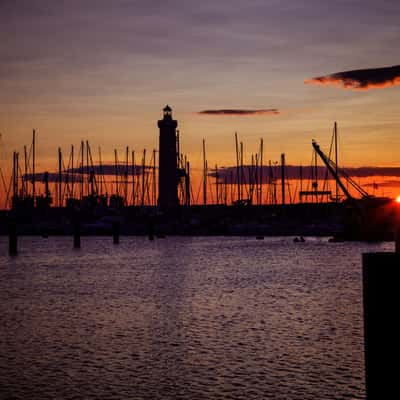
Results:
333 169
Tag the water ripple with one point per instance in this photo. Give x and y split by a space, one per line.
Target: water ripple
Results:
182 318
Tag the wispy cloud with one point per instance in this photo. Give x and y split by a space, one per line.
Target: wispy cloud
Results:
391 183
240 112
360 79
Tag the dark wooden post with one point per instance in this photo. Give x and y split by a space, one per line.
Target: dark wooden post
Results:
381 273
150 228
115 232
397 240
77 234
12 238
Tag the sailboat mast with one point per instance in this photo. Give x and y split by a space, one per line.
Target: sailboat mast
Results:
301 183
261 168
59 178
216 183
283 177
143 176
72 171
82 161
154 179
237 169
336 161
116 172
204 174
242 177
126 175
24 180
133 178
33 166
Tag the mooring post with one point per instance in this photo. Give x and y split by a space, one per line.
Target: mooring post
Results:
150 229
397 240
77 234
381 273
12 238
115 232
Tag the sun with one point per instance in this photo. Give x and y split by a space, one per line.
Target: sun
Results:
398 199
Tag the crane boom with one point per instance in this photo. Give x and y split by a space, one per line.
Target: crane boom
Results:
331 168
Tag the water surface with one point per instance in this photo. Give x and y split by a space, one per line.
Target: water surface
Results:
182 318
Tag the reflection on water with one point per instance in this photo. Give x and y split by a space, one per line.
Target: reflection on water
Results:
182 318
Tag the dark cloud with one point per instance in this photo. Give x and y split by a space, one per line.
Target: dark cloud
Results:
361 79
240 112
103 170
373 171
228 174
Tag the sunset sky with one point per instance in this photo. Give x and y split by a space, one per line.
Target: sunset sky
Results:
103 70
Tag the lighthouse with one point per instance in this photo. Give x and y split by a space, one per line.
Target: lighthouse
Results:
167 171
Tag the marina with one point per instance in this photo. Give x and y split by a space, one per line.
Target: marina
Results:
158 195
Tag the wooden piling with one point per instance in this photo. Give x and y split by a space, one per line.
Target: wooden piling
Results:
77 235
115 232
397 240
12 239
150 229
381 273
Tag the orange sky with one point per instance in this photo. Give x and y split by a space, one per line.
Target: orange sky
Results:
91 71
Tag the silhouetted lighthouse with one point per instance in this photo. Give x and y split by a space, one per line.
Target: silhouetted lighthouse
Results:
167 173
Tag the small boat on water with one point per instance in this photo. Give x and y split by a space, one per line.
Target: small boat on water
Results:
336 239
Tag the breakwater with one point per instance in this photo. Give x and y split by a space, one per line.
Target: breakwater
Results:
297 219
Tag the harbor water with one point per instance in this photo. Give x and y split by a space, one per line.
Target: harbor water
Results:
182 318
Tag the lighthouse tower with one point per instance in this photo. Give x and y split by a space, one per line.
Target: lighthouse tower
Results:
167 172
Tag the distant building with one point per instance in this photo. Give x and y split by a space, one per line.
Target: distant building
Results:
168 169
